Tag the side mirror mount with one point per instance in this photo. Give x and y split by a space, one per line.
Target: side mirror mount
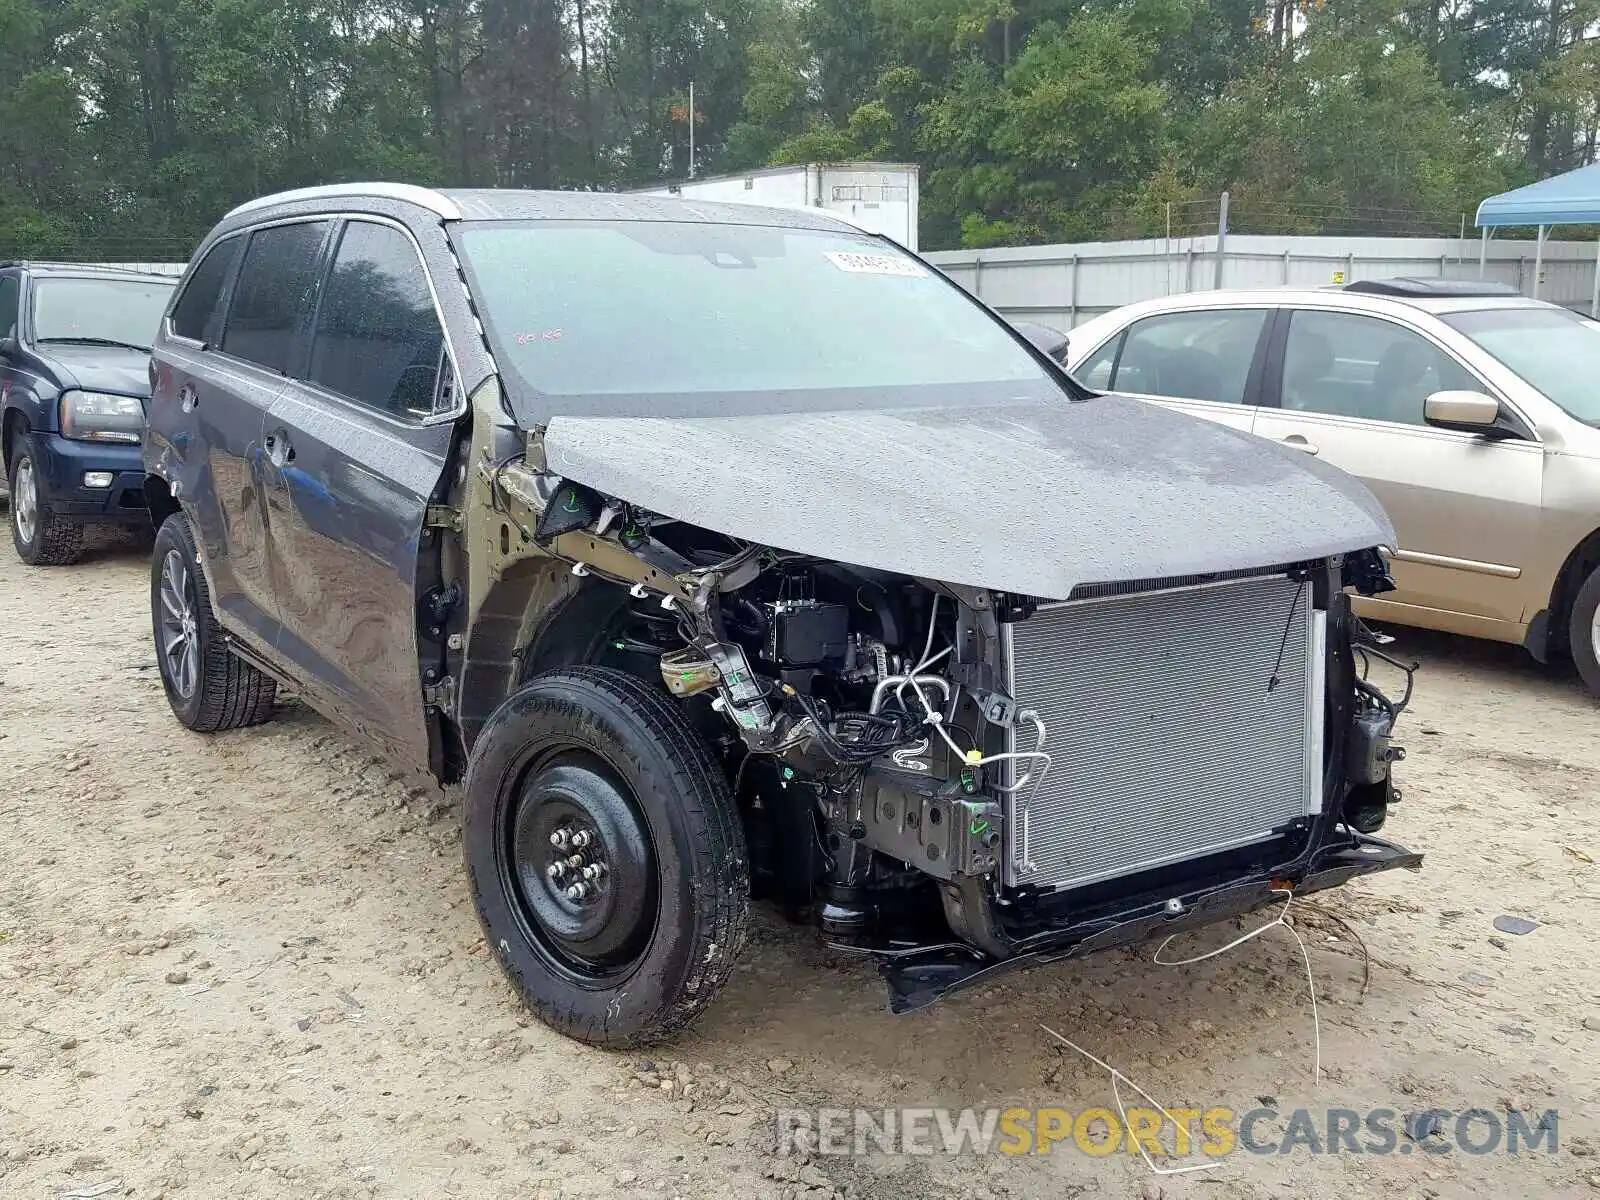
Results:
9 346
1470 412
1045 338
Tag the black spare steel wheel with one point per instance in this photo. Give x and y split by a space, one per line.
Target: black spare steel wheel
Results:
606 856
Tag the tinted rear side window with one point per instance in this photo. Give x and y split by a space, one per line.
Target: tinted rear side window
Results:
378 338
274 285
1200 355
193 314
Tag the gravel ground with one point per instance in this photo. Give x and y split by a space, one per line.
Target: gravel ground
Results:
247 966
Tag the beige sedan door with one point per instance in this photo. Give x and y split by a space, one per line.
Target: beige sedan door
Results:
1465 507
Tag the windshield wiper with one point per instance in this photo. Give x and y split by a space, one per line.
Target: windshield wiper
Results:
92 341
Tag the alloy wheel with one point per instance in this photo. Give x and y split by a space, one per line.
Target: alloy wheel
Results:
180 637
25 500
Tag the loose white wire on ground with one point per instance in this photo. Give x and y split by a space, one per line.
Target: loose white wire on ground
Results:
1122 1110
1305 957
1117 1076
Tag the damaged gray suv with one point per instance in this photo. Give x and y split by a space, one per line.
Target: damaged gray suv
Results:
725 551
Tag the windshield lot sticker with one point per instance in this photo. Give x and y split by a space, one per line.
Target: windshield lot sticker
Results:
874 264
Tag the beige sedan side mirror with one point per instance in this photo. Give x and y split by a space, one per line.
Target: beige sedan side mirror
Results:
1472 412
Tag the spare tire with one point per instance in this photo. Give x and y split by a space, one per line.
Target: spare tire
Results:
606 856
1583 631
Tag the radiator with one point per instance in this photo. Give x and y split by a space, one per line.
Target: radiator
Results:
1169 739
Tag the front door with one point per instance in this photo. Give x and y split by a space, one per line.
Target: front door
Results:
1465 507
355 462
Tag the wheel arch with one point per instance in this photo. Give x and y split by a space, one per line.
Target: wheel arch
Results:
537 616
158 495
13 423
1585 558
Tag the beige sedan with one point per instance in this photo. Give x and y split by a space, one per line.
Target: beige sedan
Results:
1469 411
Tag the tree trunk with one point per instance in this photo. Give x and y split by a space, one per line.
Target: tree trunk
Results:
588 93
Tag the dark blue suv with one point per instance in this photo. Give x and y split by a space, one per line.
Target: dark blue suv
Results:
74 381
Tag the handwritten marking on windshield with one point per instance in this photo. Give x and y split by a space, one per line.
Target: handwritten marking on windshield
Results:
548 335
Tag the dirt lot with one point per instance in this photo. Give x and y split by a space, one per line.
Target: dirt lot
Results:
247 966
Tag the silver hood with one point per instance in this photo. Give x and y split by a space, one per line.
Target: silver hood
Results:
1034 497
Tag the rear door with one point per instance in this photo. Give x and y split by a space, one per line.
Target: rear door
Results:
356 449
1200 361
230 336
1349 388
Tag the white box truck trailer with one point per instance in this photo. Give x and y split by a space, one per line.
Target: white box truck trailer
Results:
879 197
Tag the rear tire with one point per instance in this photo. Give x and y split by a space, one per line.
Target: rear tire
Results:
604 758
1583 631
42 538
208 686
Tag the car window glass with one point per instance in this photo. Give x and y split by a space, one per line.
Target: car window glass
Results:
1556 350
378 338
1351 365
10 290
1203 355
193 313
1095 371
93 310
628 310
274 284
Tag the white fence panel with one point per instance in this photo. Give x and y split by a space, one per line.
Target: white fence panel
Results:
162 268
1065 285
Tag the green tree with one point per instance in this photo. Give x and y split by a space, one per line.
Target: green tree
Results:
1050 150
1352 126
127 121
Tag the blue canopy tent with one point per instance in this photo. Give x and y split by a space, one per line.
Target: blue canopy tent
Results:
1570 199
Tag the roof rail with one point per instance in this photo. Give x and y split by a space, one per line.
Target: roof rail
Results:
1422 288
427 198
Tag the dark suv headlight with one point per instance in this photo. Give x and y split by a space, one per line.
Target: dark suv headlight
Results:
101 417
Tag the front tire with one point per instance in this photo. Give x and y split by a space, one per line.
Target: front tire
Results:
41 538
1583 631
585 768
207 685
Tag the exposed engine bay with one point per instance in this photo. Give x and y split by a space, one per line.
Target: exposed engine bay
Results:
952 778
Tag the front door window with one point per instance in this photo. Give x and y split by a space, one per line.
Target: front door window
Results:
1346 364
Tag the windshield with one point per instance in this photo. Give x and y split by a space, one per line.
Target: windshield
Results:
685 318
1555 350
122 312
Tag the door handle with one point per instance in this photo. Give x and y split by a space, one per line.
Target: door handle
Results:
188 399
279 451
1296 441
